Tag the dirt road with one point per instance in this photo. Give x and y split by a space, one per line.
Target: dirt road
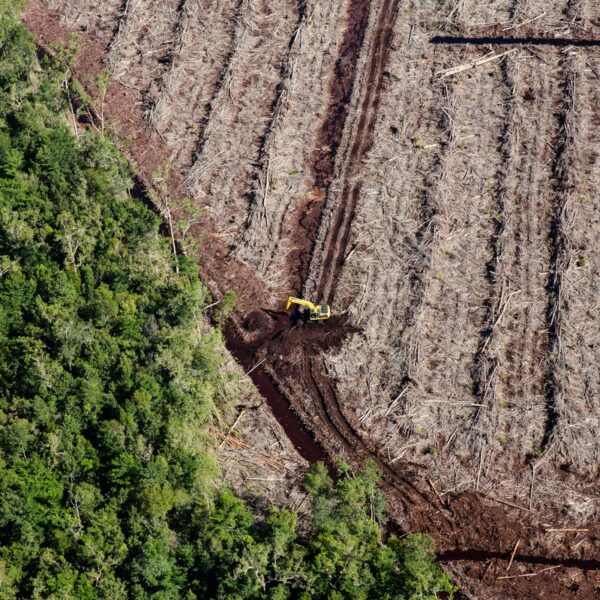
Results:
437 186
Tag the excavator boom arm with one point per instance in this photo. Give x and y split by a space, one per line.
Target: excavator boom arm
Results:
292 300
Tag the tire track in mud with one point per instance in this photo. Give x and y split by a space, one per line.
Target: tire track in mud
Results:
342 87
330 411
337 238
322 390
300 437
330 135
424 512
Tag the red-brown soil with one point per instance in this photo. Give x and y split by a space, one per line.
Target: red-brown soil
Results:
449 217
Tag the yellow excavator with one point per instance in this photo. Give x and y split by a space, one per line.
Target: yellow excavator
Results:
316 312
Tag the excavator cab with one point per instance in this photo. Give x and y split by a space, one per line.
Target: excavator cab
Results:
316 312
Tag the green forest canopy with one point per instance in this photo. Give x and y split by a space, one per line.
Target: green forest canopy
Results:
109 379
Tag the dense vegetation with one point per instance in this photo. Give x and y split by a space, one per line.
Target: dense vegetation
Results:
109 379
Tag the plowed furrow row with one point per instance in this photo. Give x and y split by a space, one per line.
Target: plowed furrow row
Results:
240 113
97 18
141 50
262 177
186 92
517 344
508 377
485 361
563 179
574 279
438 341
119 21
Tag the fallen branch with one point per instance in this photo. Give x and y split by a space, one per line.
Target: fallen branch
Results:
512 556
508 503
75 126
260 362
395 401
472 64
526 22
266 459
455 402
436 492
529 574
232 428
531 486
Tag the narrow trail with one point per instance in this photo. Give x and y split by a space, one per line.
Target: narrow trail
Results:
339 232
327 147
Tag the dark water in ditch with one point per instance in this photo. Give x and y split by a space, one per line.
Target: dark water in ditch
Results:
304 443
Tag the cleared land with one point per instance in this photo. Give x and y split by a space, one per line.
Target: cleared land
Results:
450 216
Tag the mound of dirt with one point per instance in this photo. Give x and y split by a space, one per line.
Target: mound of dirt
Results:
257 320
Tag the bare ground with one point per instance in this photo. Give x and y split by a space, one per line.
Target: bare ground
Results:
450 220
